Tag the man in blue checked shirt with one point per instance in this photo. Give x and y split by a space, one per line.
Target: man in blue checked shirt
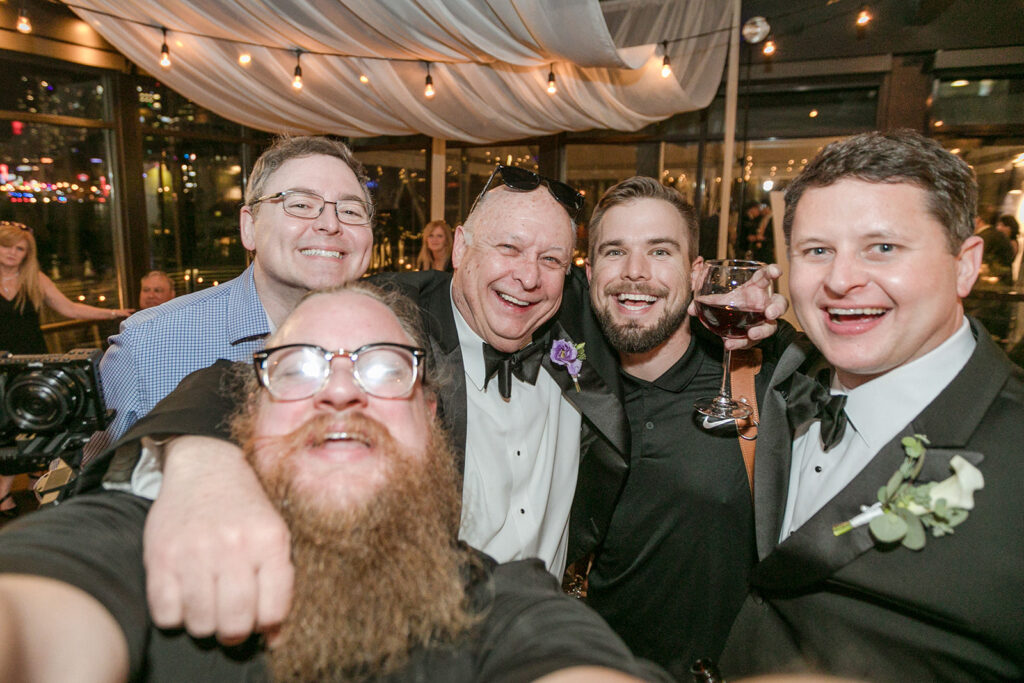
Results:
298 245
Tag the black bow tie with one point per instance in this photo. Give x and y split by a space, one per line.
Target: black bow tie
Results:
524 364
813 401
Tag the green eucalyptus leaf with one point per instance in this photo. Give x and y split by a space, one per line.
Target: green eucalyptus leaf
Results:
888 527
894 483
915 537
882 496
955 516
912 446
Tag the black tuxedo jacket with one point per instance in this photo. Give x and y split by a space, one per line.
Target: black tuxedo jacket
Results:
200 405
953 611
604 451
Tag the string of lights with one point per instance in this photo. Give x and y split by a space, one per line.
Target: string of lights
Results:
769 49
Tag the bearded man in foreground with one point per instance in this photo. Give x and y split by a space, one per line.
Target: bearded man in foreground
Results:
341 433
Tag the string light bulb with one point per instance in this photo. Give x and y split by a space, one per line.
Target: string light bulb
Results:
864 17
165 52
666 65
769 48
364 79
552 88
24 25
245 59
428 85
297 78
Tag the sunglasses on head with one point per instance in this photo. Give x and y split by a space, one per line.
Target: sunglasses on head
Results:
15 224
522 180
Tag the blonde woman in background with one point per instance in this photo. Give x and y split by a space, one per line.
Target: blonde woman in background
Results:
436 252
23 291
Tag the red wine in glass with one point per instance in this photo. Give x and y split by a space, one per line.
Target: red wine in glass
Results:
728 321
731 298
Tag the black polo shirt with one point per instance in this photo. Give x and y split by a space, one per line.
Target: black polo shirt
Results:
673 570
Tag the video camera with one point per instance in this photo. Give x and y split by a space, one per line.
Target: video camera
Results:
50 405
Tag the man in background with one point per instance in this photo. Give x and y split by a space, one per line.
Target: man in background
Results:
155 288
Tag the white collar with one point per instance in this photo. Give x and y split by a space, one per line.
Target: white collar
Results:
472 347
879 409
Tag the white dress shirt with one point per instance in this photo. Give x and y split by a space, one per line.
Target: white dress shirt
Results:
876 411
522 460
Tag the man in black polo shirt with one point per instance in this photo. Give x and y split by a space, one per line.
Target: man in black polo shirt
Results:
672 572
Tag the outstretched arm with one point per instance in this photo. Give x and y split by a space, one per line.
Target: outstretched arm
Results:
56 300
52 631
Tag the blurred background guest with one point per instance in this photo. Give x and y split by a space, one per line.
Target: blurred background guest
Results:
155 288
1000 248
23 291
436 252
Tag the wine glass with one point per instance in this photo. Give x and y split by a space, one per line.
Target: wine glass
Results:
730 299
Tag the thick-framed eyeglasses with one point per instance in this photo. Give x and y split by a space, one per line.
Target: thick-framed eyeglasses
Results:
522 180
297 371
302 204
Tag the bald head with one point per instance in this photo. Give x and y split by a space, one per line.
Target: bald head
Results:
155 288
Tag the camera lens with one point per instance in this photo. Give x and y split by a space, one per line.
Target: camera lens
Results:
42 400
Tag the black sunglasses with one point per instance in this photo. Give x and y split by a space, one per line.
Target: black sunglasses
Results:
522 180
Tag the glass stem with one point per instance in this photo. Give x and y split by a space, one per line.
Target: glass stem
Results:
725 392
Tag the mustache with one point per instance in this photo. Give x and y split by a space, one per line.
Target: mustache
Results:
636 288
319 429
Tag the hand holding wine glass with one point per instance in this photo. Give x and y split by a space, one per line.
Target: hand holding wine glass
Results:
731 297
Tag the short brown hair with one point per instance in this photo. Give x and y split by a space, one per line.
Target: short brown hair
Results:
286 148
902 156
643 187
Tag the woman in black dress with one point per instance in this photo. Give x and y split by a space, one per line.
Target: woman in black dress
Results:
23 291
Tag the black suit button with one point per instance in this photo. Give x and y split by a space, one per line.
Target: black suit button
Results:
757 597
649 425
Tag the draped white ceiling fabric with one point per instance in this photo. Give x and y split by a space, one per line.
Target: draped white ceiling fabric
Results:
489 60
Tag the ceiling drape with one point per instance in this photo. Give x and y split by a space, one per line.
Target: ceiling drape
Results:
489 61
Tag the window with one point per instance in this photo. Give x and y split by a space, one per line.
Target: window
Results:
56 151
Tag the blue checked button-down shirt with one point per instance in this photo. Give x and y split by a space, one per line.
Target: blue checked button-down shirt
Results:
157 347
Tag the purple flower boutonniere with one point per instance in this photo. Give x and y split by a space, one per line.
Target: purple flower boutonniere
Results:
571 356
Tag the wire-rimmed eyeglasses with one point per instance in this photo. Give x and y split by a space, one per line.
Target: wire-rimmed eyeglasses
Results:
302 204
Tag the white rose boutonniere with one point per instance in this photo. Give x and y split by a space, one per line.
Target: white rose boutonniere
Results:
904 509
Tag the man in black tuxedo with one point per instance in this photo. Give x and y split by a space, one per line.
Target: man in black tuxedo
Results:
882 253
535 436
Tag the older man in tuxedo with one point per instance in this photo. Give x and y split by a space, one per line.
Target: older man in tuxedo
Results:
882 253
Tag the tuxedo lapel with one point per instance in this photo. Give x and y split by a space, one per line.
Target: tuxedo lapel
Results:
595 400
813 552
437 302
774 447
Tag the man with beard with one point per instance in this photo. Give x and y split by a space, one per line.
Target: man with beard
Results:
346 445
672 571
527 432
